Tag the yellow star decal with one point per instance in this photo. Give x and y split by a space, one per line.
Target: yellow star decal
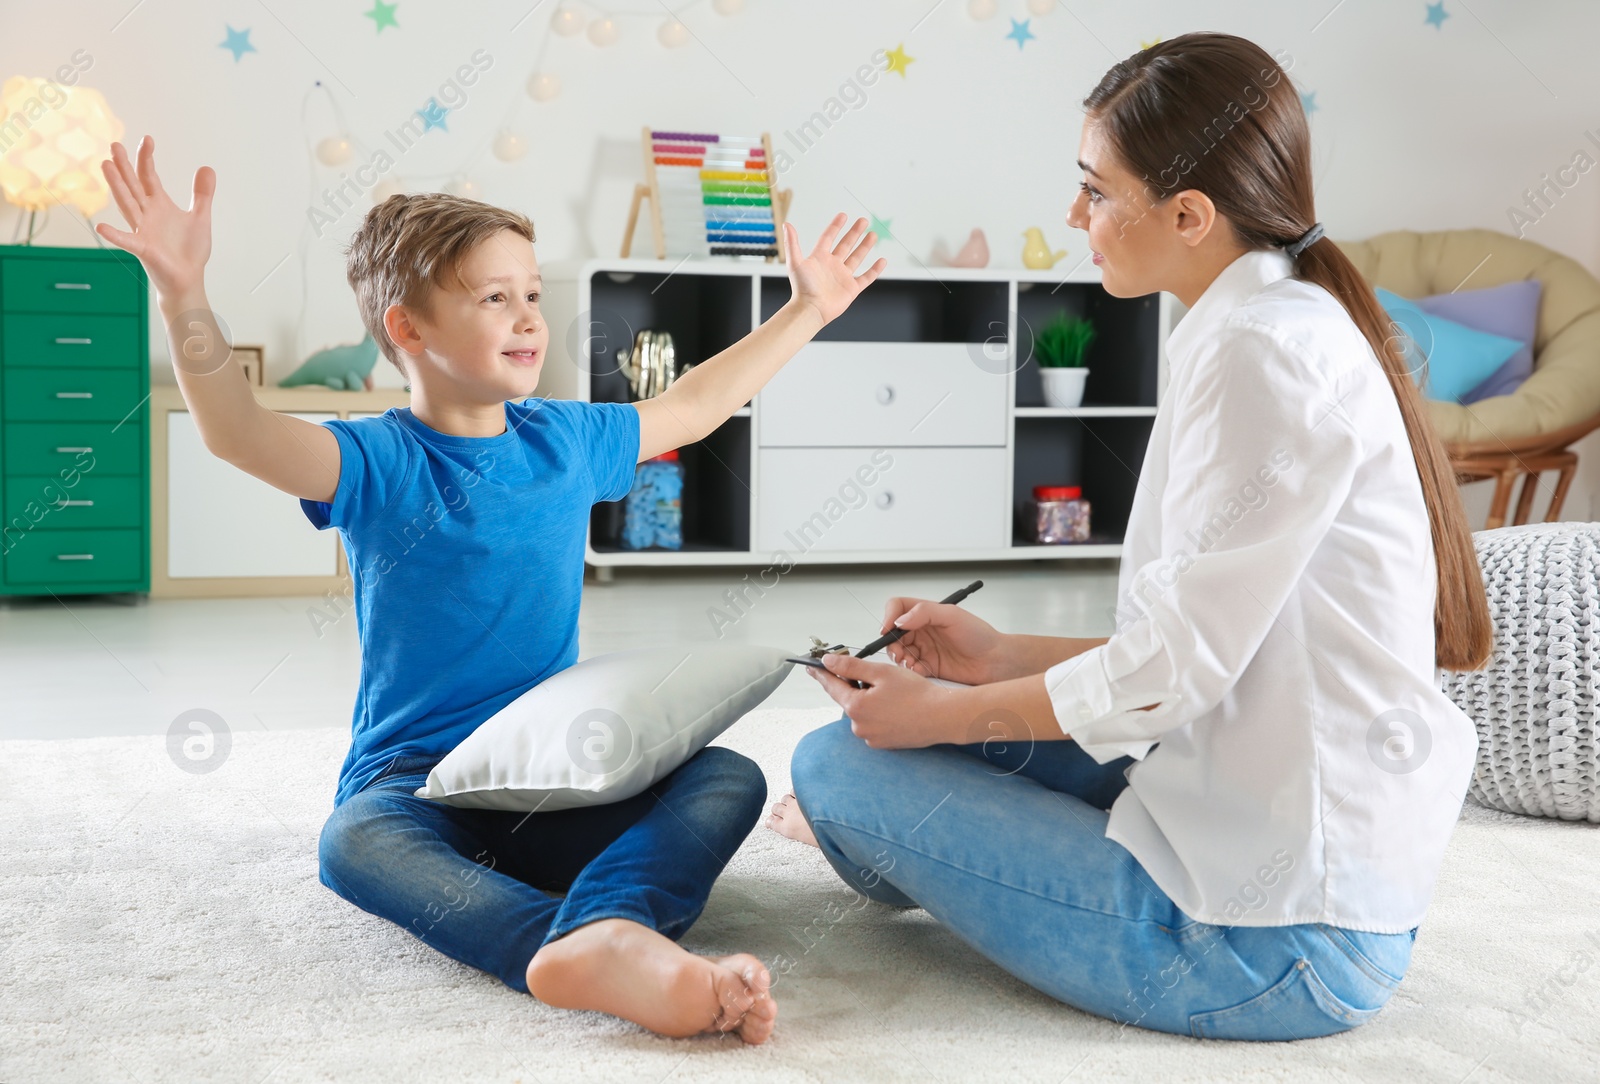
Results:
898 59
1147 44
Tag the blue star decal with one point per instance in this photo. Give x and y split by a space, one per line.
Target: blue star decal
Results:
238 43
1020 32
1437 15
433 113
1308 102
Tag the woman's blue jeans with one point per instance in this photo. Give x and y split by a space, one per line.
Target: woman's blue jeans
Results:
1006 845
477 884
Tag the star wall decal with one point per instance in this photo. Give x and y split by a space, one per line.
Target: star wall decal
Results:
238 43
898 61
382 15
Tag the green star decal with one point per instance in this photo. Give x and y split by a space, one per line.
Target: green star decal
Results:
382 15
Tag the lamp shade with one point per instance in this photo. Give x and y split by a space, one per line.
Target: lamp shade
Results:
52 141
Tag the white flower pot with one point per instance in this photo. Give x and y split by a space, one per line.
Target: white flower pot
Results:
1063 387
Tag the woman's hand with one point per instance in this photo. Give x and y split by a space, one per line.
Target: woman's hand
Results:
172 244
898 709
946 641
826 280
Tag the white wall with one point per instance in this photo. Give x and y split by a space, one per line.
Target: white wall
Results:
1416 127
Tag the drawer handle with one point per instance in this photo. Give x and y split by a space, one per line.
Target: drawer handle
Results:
74 504
885 394
73 286
884 499
73 342
74 556
75 451
74 395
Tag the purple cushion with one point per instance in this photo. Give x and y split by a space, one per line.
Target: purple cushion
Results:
1511 310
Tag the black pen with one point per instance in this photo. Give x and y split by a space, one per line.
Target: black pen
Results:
893 635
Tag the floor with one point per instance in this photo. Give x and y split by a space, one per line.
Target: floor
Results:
249 969
90 666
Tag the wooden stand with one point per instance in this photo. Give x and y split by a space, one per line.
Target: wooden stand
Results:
1527 458
651 190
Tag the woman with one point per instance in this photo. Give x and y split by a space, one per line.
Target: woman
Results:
1226 819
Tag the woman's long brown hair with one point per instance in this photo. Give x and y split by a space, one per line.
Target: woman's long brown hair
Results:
1217 114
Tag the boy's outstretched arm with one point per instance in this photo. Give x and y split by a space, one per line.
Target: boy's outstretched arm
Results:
291 454
823 284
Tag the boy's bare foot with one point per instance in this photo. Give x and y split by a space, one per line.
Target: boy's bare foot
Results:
629 970
787 820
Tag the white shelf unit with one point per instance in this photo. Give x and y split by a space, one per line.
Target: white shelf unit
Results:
931 367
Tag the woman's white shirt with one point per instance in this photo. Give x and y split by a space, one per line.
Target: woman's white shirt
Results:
1276 602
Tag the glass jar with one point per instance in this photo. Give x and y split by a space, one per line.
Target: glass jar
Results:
1059 514
653 511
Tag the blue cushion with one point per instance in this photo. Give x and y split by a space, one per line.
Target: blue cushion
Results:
1458 358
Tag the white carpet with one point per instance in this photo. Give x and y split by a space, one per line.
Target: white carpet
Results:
162 926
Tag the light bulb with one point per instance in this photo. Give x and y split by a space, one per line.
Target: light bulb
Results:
603 31
566 22
728 7
672 34
334 151
1041 7
543 87
509 146
980 9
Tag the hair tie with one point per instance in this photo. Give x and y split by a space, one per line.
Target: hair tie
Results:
1309 238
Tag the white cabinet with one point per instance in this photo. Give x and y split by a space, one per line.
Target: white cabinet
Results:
934 367
219 532
224 522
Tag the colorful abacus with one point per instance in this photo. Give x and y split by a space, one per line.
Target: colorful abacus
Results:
711 195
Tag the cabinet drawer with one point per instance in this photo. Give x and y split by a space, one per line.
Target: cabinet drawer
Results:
881 499
73 557
79 340
45 395
28 285
876 394
89 501
46 447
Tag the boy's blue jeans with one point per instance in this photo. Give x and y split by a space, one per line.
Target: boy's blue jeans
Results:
1006 845
475 884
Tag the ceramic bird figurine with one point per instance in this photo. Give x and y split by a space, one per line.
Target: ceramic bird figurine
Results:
1035 253
975 253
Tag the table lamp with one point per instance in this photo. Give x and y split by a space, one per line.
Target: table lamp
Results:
52 141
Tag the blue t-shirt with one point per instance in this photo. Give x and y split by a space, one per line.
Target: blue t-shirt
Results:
466 556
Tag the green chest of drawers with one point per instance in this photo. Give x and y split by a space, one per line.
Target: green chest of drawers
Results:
74 422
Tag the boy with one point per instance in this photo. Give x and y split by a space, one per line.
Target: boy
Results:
463 518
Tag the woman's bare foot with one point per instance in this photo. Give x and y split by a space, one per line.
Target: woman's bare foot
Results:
629 970
787 820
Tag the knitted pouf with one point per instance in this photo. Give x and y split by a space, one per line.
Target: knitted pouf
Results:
1534 704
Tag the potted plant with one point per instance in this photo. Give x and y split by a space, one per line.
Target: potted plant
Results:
1060 347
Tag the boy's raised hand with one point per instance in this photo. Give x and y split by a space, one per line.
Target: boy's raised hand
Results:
826 279
172 244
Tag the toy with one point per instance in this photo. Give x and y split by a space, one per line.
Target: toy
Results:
1035 253
975 253
710 195
347 367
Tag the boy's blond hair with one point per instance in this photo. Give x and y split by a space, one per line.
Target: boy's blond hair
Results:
407 245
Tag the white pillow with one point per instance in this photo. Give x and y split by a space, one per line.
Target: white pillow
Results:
607 728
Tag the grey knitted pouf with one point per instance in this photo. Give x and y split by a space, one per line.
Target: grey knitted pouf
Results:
1534 704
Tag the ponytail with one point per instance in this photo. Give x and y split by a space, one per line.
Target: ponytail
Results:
1463 633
